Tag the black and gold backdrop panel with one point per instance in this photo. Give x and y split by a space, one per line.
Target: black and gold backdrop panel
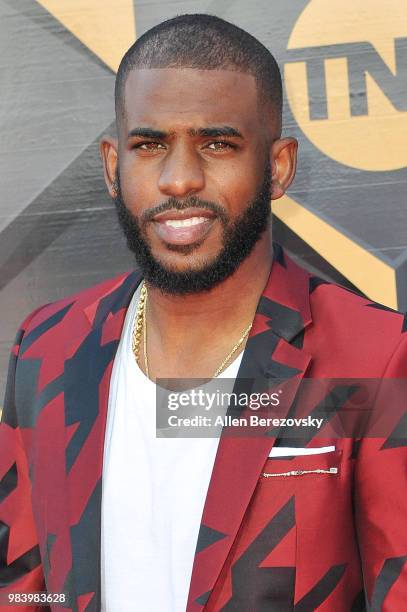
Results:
344 64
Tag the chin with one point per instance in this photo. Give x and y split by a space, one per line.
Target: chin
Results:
186 265
185 257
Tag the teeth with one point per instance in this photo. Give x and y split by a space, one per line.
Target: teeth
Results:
184 222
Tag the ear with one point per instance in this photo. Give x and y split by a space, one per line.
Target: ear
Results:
283 165
108 151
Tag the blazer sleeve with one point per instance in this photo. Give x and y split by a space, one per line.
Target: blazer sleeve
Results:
20 561
381 495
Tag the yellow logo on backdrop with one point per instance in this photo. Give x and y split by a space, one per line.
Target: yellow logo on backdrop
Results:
346 80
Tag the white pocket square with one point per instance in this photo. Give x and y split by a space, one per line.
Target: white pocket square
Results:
287 451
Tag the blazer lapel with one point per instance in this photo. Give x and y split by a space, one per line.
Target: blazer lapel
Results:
273 351
88 366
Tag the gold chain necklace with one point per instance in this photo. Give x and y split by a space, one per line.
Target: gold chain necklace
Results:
140 326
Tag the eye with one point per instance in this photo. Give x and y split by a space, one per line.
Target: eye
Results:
220 145
148 146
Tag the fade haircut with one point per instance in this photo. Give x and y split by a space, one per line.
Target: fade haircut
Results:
203 42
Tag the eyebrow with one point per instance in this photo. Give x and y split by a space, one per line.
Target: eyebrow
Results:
212 132
147 132
224 130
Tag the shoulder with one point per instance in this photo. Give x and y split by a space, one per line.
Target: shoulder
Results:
354 327
73 306
342 304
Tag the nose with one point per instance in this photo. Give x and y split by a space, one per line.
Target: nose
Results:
182 173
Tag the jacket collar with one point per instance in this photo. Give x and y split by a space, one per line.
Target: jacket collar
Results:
89 358
273 350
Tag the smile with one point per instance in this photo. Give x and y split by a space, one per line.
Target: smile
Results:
185 222
183 227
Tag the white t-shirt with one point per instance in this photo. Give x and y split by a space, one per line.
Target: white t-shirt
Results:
154 491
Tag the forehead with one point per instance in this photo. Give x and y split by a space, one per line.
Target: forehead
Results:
185 96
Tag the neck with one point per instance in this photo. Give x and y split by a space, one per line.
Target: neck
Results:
184 328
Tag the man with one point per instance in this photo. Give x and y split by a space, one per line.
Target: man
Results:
93 506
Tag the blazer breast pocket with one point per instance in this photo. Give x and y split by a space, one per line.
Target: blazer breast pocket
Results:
302 468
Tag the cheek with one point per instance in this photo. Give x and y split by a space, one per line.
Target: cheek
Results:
138 191
239 194
237 183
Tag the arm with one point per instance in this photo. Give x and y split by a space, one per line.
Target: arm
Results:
381 500
20 562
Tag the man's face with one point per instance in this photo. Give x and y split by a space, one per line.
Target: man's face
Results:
194 174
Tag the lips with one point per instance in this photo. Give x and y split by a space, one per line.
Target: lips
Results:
185 213
183 227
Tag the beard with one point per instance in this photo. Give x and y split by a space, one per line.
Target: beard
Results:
238 240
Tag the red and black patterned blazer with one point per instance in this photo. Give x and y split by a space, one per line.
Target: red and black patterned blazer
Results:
332 543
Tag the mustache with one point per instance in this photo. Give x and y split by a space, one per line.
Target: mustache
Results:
190 202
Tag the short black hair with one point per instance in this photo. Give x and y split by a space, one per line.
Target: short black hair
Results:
204 42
